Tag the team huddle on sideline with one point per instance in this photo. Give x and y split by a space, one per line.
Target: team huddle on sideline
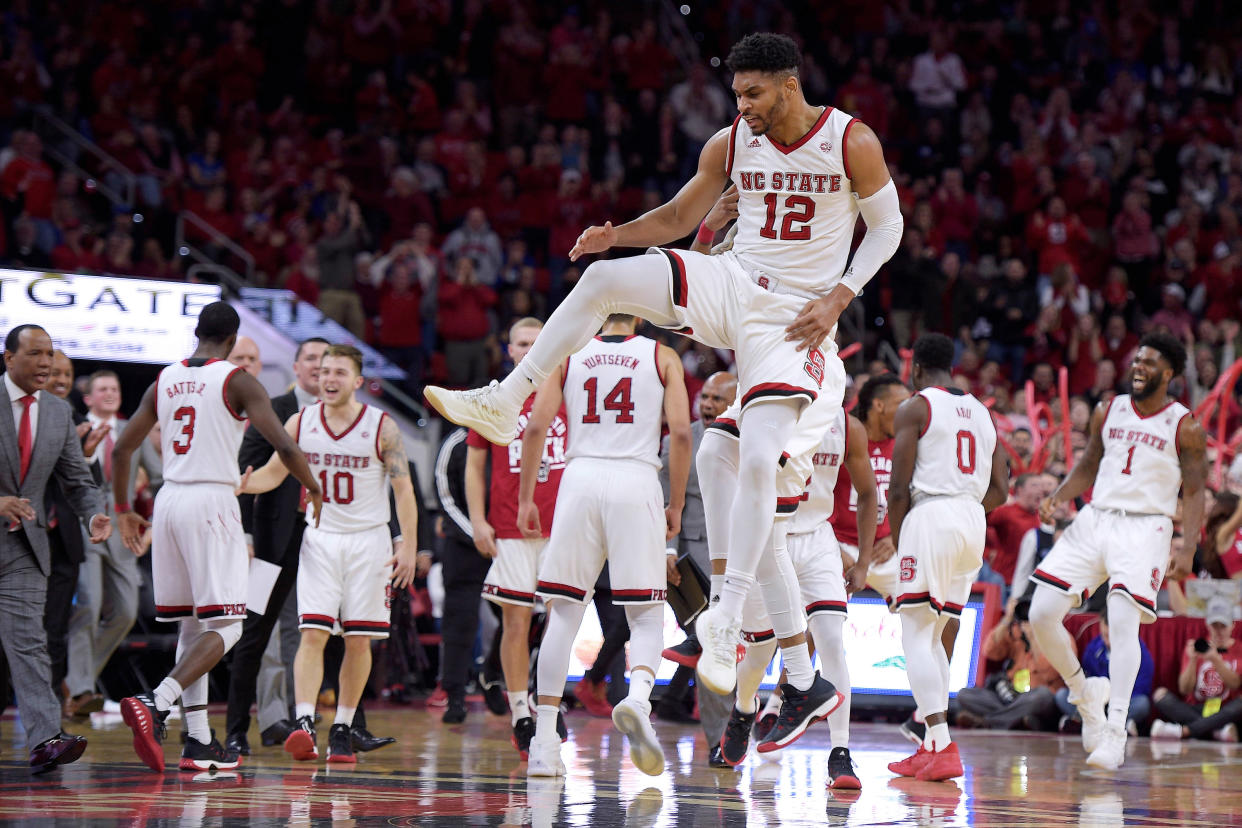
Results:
795 177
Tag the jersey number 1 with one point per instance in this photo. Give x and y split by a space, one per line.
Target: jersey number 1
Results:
618 400
800 209
1129 460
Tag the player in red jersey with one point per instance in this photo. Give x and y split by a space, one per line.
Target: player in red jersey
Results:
493 508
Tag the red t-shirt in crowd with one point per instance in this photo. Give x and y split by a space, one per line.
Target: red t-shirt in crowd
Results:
1010 522
1231 558
844 518
507 472
1208 682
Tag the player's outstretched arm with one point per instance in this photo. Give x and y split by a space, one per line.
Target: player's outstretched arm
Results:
680 439
907 426
998 486
1192 449
862 477
1083 475
272 473
547 402
246 394
676 218
136 430
397 465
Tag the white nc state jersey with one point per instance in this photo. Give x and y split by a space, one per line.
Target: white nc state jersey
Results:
955 450
1140 471
614 396
796 208
817 503
348 467
200 433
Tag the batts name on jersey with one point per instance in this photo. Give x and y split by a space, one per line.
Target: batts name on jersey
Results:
184 387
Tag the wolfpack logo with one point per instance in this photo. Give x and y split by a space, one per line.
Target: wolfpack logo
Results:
826 146
814 366
754 144
763 282
366 434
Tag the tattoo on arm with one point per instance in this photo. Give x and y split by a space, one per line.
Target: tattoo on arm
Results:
392 449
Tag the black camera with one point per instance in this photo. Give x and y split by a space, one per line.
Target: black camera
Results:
1201 645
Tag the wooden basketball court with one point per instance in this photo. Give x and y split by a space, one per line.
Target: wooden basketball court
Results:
470 775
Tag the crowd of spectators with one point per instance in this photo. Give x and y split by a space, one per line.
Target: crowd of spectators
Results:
1071 175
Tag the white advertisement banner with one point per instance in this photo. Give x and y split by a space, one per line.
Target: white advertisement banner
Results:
111 318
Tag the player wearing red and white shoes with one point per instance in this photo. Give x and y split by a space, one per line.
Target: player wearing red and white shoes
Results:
610 510
348 568
198 552
1143 448
825 587
949 470
493 508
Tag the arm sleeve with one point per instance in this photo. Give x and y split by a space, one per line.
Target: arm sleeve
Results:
882 213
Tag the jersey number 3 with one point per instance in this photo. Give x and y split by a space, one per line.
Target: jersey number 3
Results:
618 400
183 416
799 209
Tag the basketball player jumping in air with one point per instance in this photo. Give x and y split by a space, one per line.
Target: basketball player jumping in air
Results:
1143 448
803 175
949 470
198 552
348 568
610 508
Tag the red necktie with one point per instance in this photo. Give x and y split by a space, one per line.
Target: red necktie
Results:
107 458
25 441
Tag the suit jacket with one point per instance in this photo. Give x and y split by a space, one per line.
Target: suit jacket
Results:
270 517
693 521
57 454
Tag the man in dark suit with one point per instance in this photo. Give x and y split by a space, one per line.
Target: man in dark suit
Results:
64 539
37 440
274 521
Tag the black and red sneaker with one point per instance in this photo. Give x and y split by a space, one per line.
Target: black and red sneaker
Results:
523 732
686 653
764 726
300 744
735 742
139 713
841 776
799 710
340 745
196 756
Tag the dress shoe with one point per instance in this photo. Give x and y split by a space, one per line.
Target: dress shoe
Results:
276 734
364 742
237 743
59 750
83 705
715 758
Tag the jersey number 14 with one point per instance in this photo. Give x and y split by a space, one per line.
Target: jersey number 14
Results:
618 400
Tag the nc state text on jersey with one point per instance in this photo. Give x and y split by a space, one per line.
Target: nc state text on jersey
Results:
789 182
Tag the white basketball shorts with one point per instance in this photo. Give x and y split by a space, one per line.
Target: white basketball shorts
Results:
719 303
1131 552
344 576
816 558
792 473
199 563
939 554
607 510
882 577
515 571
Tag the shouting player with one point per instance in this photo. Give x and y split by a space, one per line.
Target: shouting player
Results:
949 470
348 567
198 551
1142 449
611 508
803 174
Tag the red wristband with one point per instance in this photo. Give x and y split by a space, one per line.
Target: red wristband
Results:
706 235
121 508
